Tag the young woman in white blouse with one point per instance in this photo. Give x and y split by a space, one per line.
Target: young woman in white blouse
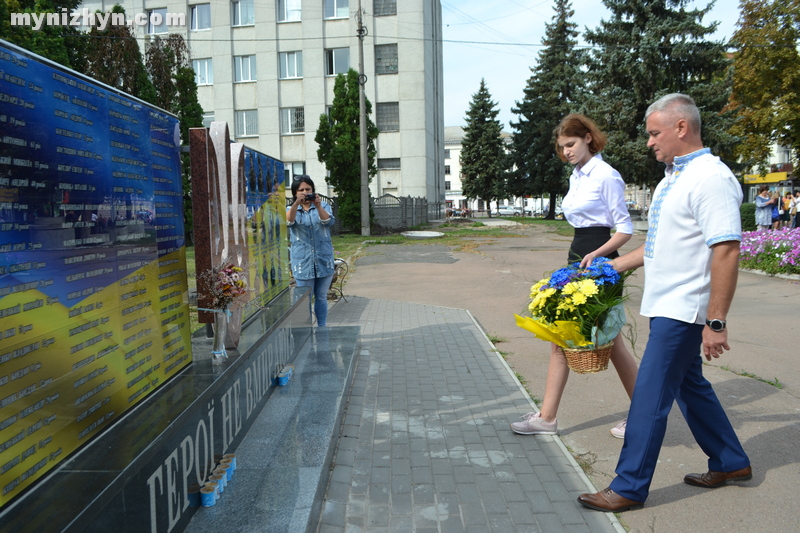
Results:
594 205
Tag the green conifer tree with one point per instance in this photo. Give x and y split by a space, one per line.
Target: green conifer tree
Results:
483 159
113 57
339 140
551 92
646 49
175 87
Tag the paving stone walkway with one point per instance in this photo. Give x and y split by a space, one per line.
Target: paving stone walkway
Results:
425 445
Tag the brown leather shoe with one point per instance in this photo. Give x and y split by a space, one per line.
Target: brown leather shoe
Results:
607 500
712 479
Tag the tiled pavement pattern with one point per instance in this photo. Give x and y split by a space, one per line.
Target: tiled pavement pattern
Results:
426 446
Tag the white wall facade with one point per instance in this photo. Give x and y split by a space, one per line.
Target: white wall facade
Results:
417 86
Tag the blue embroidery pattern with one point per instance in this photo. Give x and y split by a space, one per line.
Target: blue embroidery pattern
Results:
724 238
679 163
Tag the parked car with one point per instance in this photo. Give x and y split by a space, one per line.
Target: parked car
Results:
509 211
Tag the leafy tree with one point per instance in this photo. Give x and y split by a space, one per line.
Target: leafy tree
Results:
766 80
649 48
552 89
170 68
62 44
483 159
113 57
339 140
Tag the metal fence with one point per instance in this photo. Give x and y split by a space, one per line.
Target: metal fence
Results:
392 212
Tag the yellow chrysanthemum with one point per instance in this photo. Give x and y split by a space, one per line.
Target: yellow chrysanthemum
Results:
571 287
567 304
588 287
541 297
579 298
537 287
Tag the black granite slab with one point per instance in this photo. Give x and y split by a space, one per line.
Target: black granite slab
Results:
284 461
133 477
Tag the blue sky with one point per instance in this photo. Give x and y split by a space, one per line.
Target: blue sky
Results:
515 29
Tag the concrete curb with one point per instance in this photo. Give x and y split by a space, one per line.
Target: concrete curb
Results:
557 439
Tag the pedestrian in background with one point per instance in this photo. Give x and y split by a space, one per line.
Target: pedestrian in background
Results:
764 205
594 205
777 210
309 220
691 263
788 202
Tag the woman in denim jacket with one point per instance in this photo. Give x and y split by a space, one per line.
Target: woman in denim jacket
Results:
309 220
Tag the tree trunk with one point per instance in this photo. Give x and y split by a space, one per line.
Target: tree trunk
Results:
551 211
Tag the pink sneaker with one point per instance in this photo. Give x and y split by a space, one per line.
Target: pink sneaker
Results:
619 430
533 424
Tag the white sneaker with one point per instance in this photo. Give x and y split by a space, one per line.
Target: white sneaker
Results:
533 424
619 430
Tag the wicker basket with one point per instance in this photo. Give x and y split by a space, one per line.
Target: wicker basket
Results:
588 361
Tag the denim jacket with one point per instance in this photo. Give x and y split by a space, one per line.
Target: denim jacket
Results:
311 247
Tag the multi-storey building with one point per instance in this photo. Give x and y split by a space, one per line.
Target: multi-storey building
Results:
268 68
454 194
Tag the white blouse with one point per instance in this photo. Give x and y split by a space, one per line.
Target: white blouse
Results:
596 197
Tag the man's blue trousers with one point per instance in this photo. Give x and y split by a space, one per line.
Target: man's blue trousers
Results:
672 369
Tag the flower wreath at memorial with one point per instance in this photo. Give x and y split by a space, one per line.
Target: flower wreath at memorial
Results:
580 310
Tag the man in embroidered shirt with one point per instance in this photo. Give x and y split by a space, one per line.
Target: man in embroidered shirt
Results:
691 261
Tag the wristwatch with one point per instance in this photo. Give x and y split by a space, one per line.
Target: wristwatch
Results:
716 324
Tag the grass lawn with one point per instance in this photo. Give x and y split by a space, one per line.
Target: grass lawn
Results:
462 235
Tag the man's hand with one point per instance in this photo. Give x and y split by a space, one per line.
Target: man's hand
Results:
714 342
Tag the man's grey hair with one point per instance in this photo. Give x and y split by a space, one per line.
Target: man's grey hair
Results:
677 106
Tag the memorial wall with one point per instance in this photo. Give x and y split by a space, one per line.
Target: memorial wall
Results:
94 310
269 271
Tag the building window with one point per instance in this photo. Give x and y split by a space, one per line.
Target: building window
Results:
203 71
201 17
387 116
447 169
288 10
447 185
292 120
447 154
335 9
244 68
384 7
246 123
291 65
243 13
386 59
389 163
208 118
337 61
290 170
157 21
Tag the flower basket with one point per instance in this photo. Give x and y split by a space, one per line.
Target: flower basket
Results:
588 360
580 310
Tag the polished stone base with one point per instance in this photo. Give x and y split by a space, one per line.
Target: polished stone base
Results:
136 476
284 461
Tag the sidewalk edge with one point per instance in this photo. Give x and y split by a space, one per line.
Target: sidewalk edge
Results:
556 438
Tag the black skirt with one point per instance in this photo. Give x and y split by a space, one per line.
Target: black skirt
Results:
588 240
